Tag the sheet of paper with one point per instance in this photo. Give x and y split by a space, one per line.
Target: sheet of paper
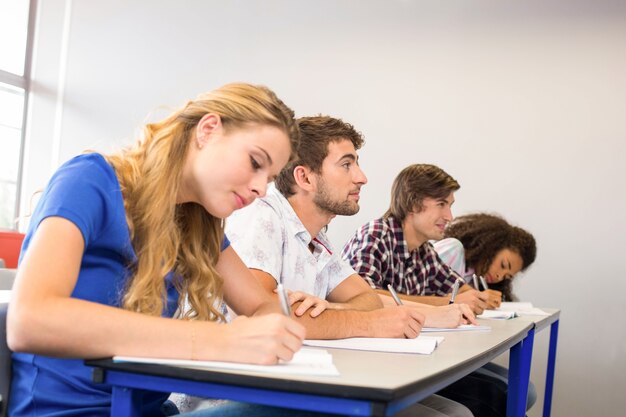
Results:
522 309
460 328
422 344
497 314
515 306
307 361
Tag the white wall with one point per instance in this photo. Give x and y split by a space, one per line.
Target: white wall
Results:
523 102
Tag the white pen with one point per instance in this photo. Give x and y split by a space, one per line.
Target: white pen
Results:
394 295
455 290
284 300
475 281
483 281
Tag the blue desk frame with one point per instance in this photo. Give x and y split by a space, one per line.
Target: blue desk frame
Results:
339 399
516 404
547 400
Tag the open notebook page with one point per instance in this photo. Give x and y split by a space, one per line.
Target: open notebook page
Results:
307 361
522 309
497 314
460 328
421 344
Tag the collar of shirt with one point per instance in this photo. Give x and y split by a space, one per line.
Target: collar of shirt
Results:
294 226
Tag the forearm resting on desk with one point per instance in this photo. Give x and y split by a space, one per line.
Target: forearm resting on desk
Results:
446 316
67 327
354 294
400 322
304 303
362 302
432 300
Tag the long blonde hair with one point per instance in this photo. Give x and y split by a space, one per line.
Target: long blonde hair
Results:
183 238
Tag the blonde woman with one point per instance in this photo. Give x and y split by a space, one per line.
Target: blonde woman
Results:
117 243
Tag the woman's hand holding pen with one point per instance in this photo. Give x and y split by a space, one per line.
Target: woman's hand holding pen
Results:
494 300
260 340
476 300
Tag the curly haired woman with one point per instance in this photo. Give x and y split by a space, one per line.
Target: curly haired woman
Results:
487 245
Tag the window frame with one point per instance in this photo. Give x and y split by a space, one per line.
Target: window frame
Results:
23 82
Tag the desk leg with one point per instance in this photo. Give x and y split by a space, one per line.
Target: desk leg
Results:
547 402
519 376
125 402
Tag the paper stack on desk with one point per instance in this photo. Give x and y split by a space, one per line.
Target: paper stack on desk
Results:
307 361
460 328
497 314
522 309
421 344
508 310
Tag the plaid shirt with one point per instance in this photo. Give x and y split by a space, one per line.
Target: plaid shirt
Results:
379 253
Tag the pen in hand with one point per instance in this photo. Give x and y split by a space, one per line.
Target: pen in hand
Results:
284 300
455 290
475 282
483 282
394 295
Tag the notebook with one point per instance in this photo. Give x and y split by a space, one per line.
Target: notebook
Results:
460 328
497 314
522 309
421 344
307 361
509 310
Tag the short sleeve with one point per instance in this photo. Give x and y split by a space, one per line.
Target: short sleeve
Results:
84 191
442 277
452 253
340 272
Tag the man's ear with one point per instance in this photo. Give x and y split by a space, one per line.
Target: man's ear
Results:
304 178
208 125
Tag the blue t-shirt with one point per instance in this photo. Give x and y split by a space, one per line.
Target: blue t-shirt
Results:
85 190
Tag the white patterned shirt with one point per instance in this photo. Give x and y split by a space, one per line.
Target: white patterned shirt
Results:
268 235
452 253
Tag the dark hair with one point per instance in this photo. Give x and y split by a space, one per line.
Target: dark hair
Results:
483 236
415 183
315 134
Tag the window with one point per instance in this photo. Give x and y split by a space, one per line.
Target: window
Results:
11 110
14 81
